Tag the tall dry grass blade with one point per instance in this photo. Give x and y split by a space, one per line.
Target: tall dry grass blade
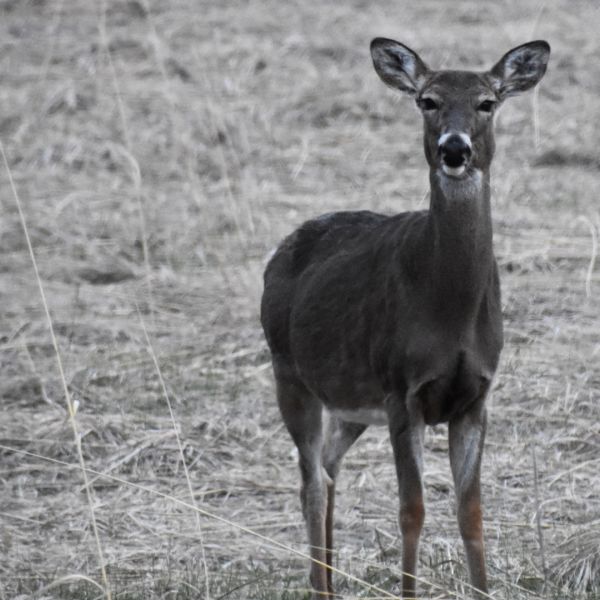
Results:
218 123
136 171
193 179
593 253
538 520
536 119
536 92
70 405
180 447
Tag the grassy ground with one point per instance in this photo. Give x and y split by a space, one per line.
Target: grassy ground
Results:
160 151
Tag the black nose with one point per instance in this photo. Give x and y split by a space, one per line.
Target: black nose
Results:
455 151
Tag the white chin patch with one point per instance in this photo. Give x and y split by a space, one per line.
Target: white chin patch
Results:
453 171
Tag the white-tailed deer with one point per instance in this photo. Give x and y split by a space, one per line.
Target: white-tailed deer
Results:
396 319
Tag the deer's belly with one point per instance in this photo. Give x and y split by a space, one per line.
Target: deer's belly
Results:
353 399
365 416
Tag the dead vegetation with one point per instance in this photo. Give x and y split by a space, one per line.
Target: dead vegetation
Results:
160 152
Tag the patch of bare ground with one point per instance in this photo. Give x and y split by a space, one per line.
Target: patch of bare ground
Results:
160 152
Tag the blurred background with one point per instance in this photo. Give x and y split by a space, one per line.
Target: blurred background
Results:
160 151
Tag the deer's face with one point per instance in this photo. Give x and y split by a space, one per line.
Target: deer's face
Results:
458 106
458 109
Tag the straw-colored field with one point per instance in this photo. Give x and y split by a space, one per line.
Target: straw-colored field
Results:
160 151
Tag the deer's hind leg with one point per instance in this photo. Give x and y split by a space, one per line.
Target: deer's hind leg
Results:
302 414
339 437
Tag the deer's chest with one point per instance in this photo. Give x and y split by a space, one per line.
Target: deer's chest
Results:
445 373
458 384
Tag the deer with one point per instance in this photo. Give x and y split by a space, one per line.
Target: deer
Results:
396 320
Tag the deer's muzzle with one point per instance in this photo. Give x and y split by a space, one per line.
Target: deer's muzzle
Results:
455 151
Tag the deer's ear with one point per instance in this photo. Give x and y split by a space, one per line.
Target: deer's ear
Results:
520 68
398 66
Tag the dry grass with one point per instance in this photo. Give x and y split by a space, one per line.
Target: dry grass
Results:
158 159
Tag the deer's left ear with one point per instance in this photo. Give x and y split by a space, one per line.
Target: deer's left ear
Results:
520 68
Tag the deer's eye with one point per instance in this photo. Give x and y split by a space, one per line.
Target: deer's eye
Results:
486 106
428 104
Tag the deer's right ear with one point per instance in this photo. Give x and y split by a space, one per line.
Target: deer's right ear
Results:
398 65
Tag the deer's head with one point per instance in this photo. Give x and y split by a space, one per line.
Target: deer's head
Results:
458 106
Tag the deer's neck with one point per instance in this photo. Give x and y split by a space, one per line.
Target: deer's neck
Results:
460 229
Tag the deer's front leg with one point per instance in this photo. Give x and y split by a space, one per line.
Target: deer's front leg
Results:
406 432
466 438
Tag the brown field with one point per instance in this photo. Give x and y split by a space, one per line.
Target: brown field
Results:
160 151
